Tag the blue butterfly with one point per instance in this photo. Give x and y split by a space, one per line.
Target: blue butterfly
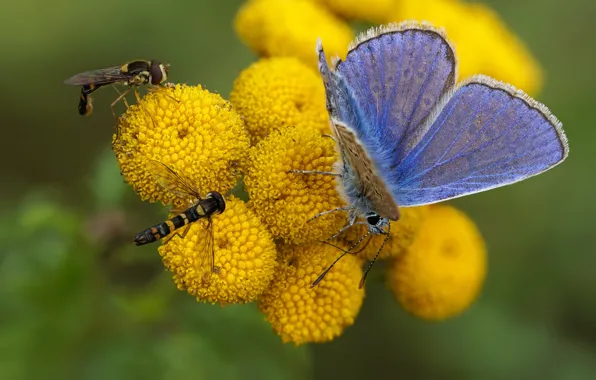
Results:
408 135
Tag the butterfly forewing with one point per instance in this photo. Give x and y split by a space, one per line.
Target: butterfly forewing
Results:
397 75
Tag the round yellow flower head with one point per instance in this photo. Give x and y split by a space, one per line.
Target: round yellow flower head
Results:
442 272
372 10
285 201
483 43
274 93
244 257
290 28
507 58
300 313
191 130
401 237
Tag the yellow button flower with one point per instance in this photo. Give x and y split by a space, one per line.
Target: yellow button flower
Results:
193 131
290 28
371 10
275 93
483 43
301 314
244 257
442 272
401 237
285 201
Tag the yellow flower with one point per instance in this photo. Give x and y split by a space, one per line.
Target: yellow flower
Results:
290 28
244 257
483 43
371 10
193 131
442 272
403 233
285 201
274 93
301 314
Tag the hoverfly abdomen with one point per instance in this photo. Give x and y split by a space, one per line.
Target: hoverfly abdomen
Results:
146 236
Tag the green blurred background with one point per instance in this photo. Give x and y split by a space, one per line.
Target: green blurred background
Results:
78 302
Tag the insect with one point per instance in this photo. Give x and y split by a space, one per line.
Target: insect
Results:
408 135
200 208
132 74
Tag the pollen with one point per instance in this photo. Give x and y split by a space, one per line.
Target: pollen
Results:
442 272
300 313
285 201
402 235
191 130
275 93
290 28
483 42
243 251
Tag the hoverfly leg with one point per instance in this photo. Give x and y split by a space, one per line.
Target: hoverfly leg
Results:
164 86
177 233
119 98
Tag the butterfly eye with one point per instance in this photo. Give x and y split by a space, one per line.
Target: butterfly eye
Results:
373 219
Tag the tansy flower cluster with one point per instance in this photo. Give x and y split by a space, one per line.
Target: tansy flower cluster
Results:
272 248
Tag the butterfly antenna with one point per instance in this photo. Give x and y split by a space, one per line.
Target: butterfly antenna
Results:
322 275
365 245
333 245
363 279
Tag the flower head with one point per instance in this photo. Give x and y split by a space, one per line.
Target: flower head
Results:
275 93
300 313
285 201
290 28
191 130
371 10
442 272
402 234
483 43
244 257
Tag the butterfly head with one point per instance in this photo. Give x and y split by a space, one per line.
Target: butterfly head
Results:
376 223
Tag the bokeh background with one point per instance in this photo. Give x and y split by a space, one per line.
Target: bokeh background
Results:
78 301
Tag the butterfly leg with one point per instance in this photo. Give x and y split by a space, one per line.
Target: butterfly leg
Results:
314 172
344 228
346 208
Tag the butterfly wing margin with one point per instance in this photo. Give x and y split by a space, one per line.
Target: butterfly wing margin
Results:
485 134
398 73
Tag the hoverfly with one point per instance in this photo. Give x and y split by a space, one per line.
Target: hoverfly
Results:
132 74
199 208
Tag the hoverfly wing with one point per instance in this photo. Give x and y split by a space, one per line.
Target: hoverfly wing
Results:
205 264
97 77
171 181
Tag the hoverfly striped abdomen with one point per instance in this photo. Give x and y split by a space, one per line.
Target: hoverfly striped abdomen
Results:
213 203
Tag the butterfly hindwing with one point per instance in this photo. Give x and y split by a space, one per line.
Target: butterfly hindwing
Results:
485 134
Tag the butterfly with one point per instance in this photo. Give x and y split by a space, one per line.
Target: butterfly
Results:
409 135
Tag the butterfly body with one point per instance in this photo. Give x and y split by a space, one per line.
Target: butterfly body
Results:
408 135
